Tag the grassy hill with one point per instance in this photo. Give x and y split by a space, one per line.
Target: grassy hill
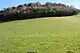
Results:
42 35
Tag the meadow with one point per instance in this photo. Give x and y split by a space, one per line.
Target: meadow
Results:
41 35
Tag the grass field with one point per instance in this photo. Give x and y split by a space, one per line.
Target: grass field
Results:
52 35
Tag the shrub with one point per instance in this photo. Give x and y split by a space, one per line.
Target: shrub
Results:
33 10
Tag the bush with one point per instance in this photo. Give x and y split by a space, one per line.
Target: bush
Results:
33 10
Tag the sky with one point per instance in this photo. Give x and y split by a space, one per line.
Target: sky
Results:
10 3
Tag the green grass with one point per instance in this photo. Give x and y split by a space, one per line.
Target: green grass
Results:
53 35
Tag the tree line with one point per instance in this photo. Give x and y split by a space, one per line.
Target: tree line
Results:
35 10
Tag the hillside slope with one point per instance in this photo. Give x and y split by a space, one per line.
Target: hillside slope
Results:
52 35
